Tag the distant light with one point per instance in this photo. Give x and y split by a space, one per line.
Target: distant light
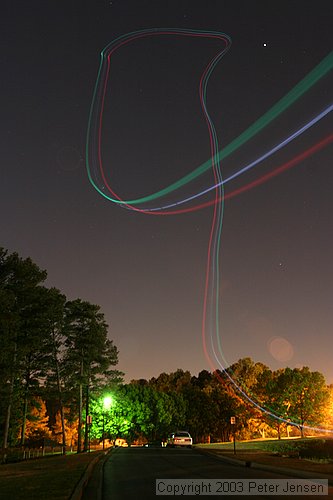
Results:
264 44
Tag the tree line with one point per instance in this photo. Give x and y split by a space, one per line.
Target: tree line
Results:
51 350
57 366
148 410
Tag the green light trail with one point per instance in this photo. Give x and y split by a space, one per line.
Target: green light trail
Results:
279 107
303 86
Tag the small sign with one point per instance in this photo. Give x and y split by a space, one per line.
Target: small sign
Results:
89 419
232 420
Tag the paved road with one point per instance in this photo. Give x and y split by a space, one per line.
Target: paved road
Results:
131 473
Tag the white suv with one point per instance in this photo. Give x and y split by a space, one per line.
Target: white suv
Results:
180 438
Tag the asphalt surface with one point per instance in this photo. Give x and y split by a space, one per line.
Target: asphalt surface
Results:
131 473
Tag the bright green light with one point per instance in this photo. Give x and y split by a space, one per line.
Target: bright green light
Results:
107 402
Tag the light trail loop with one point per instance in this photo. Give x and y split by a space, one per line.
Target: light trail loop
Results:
97 177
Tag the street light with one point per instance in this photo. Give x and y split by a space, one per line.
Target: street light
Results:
107 403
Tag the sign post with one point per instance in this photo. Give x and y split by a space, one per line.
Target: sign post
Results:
233 422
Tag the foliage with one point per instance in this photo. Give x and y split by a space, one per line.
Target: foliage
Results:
297 395
48 347
138 412
21 334
305 394
37 423
304 448
70 429
57 353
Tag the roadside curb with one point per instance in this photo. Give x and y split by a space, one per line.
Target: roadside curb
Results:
295 472
78 490
256 465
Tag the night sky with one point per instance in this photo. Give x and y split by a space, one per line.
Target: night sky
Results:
147 273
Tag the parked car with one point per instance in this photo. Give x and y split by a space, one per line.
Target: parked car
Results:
180 438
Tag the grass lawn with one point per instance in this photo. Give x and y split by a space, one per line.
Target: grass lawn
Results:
44 478
255 444
269 444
